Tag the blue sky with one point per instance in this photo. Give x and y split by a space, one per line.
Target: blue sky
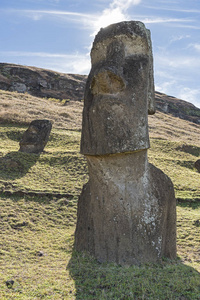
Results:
58 34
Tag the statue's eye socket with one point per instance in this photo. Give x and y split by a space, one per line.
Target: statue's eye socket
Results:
107 82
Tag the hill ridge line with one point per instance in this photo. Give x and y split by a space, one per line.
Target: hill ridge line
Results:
52 84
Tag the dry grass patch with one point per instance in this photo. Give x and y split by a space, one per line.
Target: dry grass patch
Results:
165 126
23 108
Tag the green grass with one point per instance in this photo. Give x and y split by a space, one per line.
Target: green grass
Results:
30 226
60 169
188 233
37 230
178 163
33 225
164 281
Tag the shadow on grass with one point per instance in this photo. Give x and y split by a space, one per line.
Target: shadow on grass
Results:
15 135
193 150
192 203
16 164
167 280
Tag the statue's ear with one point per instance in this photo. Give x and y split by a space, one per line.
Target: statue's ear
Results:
151 91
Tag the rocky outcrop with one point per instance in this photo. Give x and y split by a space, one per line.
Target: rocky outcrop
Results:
45 83
177 107
41 82
127 210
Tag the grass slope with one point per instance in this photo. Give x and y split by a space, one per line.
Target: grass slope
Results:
38 202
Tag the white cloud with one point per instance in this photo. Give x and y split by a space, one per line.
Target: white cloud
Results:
172 87
164 20
116 12
190 95
165 86
37 15
58 12
168 60
187 26
109 16
179 38
67 63
177 75
75 63
123 5
173 9
35 54
195 46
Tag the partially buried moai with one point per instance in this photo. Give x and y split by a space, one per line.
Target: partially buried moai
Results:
127 210
36 136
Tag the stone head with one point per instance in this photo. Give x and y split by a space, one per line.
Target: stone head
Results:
119 91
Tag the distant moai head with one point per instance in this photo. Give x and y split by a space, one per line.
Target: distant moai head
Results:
36 136
119 91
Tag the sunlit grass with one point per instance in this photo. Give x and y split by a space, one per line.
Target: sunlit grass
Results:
37 230
60 169
36 235
178 165
18 108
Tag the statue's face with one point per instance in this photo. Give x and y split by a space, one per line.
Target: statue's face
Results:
116 99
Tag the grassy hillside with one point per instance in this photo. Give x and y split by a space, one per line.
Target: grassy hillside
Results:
38 198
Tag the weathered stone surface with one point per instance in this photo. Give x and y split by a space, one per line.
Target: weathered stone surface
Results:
19 87
36 136
197 165
127 210
119 90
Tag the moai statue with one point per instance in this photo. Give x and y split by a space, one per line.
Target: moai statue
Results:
36 136
127 210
